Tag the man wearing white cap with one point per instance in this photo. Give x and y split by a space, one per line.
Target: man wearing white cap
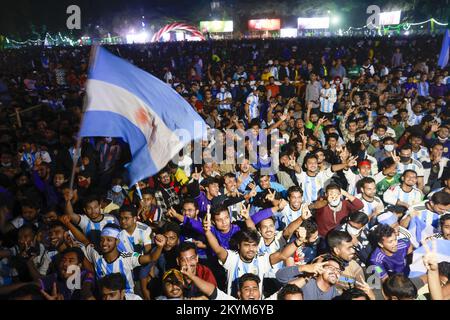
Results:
110 260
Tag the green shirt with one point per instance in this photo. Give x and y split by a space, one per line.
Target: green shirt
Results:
312 126
354 71
386 183
398 131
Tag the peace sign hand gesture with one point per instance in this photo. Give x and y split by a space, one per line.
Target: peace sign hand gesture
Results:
55 295
430 259
306 213
245 211
270 195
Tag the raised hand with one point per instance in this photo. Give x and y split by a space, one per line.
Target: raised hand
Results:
270 195
65 219
245 211
364 286
430 259
351 162
315 268
395 157
55 295
282 204
196 175
160 240
435 127
306 213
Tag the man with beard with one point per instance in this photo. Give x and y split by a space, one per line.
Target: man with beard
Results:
330 216
406 194
444 223
188 258
93 221
167 191
340 244
110 260
389 257
246 259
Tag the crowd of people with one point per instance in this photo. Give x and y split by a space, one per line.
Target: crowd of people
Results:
337 207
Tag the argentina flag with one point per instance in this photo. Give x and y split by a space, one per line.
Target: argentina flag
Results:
417 267
444 57
127 102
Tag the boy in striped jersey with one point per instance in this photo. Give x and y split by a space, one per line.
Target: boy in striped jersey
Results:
405 194
373 205
419 152
135 236
408 163
313 181
110 260
93 221
327 100
246 260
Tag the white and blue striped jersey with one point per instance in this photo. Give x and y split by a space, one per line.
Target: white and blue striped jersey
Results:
124 264
87 225
326 105
236 268
253 106
286 216
222 96
136 241
422 153
278 243
414 166
312 186
396 193
370 206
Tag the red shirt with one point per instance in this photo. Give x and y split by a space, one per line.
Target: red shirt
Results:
203 272
327 221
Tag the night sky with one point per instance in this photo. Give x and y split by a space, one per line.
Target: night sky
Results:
19 18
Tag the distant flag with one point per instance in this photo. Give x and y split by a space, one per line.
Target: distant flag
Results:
127 102
444 57
417 267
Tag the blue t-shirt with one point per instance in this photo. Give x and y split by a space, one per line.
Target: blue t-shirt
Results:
389 265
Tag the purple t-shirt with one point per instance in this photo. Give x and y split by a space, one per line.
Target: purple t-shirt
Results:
389 265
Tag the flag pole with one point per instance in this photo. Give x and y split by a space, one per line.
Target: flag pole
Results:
92 58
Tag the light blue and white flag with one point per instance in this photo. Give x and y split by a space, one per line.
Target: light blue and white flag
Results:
127 102
444 57
417 267
422 226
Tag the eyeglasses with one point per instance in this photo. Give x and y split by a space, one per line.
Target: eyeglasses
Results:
334 269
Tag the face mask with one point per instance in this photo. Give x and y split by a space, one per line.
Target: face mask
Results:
389 147
6 165
353 231
334 203
222 90
232 85
117 189
404 159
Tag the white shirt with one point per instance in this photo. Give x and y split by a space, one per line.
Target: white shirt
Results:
236 268
312 185
222 96
87 225
422 153
124 264
253 106
277 243
414 166
395 193
135 242
370 206
326 105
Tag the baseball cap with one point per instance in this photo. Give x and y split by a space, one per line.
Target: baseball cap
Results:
364 163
